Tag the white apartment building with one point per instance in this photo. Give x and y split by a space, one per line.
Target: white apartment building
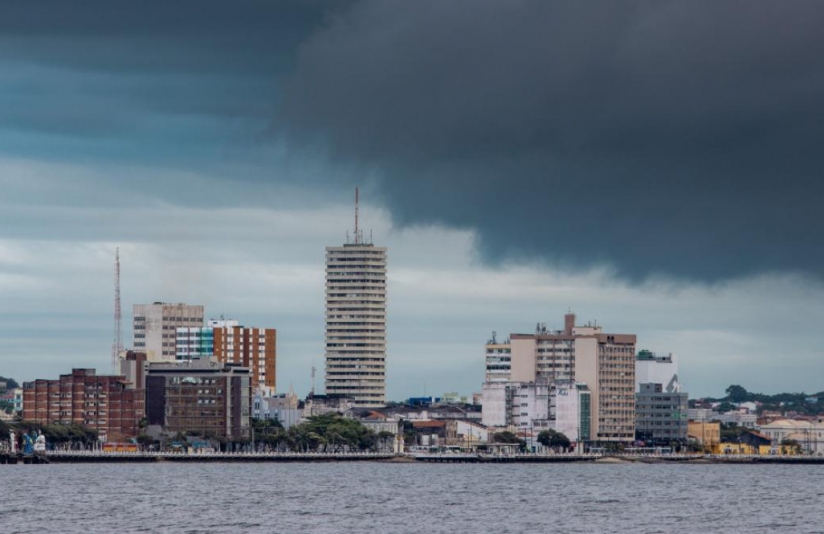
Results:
498 360
521 406
356 322
155 328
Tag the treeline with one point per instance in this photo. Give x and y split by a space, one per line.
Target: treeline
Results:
804 403
320 433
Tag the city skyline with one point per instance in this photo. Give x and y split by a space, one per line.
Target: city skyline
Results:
659 182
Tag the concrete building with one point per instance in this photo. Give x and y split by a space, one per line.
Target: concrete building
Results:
202 397
194 342
356 322
661 408
652 368
103 403
252 347
521 406
737 418
808 434
498 360
571 407
285 408
584 354
155 326
132 366
17 399
660 415
705 433
323 404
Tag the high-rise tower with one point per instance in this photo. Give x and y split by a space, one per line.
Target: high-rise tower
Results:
356 320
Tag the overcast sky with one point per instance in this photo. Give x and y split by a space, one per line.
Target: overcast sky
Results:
654 166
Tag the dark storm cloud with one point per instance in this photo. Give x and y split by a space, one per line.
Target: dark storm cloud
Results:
105 68
674 138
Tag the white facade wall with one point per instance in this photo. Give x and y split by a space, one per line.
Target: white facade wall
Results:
662 370
567 401
523 405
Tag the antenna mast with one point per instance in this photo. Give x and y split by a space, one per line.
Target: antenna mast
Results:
117 343
357 202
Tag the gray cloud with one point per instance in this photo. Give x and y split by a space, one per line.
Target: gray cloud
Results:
671 138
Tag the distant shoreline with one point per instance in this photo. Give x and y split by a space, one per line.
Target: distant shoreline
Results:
75 457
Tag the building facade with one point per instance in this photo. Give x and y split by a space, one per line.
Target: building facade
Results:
104 403
201 397
652 368
520 406
705 433
584 354
498 360
193 342
356 322
252 347
155 328
660 415
661 408
571 407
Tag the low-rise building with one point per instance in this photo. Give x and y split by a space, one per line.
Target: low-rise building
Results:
707 434
284 407
522 406
202 397
808 434
737 418
105 403
323 404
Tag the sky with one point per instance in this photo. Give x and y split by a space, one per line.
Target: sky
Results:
654 167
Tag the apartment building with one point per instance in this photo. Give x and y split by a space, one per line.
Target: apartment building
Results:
356 322
104 403
583 354
498 356
155 328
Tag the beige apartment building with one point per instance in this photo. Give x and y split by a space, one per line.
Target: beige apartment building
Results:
356 322
155 327
584 354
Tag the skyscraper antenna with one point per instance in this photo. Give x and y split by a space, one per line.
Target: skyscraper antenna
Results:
357 201
117 342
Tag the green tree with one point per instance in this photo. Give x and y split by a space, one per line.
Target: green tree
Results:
553 439
736 393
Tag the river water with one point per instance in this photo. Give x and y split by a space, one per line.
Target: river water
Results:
411 498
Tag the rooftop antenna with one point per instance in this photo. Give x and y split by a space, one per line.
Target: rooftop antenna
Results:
357 201
117 342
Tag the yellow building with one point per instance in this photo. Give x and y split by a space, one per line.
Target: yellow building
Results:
706 433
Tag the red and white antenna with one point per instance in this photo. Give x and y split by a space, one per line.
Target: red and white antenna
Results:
117 342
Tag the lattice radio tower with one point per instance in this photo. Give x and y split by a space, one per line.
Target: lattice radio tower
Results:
117 343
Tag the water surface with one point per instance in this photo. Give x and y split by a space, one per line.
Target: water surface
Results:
411 498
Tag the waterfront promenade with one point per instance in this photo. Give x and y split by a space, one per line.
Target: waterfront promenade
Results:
248 457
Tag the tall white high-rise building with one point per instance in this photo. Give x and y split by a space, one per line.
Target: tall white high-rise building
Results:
356 321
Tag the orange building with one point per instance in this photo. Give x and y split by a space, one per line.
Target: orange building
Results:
255 348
